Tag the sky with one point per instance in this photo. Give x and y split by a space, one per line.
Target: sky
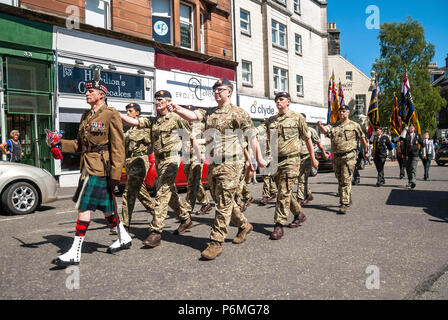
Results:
360 45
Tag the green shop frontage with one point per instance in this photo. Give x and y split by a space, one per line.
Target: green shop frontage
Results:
27 86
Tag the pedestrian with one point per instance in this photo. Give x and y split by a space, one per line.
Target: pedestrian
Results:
428 152
193 173
400 151
101 144
226 122
269 188
381 147
344 136
412 142
14 150
166 148
304 194
137 147
290 128
360 152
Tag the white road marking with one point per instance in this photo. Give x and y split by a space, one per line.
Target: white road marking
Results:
9 219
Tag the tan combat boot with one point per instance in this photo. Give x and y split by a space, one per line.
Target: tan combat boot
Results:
213 250
153 239
242 233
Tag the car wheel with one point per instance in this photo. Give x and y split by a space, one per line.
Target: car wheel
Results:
441 163
20 198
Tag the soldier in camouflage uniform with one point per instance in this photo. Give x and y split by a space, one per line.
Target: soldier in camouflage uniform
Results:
138 146
193 172
269 189
291 128
166 152
225 163
304 194
344 136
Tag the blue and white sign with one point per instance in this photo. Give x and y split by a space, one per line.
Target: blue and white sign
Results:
161 29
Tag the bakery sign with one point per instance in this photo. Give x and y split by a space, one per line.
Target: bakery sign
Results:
189 88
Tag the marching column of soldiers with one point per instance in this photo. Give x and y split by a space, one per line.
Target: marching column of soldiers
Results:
105 149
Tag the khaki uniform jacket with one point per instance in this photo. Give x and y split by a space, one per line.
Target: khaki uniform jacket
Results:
103 128
344 136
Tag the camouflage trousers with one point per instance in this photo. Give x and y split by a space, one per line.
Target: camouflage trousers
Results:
285 178
269 188
195 189
303 187
242 191
344 166
223 180
136 170
166 194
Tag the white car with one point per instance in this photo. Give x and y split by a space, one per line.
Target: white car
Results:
23 188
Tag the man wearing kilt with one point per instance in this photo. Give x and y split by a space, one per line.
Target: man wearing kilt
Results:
101 143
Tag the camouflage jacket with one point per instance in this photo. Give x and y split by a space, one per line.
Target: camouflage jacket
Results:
137 142
233 124
314 138
344 136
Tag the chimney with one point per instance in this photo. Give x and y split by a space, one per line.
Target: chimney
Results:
334 39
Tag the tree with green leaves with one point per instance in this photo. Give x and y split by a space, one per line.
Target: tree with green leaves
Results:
404 48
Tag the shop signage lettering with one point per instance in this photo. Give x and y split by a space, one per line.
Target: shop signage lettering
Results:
73 80
261 110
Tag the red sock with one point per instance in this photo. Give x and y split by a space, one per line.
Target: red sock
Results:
111 221
81 228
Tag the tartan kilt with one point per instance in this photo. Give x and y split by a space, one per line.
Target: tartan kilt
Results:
96 195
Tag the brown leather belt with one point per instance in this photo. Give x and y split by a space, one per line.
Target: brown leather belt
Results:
98 148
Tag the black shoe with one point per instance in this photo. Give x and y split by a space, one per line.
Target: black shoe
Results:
62 263
413 185
378 184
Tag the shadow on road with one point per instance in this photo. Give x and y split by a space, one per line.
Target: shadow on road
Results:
433 202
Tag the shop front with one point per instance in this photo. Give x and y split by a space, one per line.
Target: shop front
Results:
27 86
127 69
261 108
190 82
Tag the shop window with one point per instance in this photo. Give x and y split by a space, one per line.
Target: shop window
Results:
186 26
280 79
278 34
98 13
162 21
246 67
245 21
28 86
71 160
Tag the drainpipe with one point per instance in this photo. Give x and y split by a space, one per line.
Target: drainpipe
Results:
235 57
2 109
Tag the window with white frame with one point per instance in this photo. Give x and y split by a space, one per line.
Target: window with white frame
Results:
297 8
98 13
201 16
14 3
280 79
245 21
162 24
360 103
298 43
349 75
246 67
186 26
299 85
278 34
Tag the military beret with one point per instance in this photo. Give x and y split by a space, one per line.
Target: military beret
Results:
135 106
344 107
282 94
97 84
222 82
162 94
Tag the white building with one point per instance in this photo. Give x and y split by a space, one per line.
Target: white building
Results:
357 86
282 46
